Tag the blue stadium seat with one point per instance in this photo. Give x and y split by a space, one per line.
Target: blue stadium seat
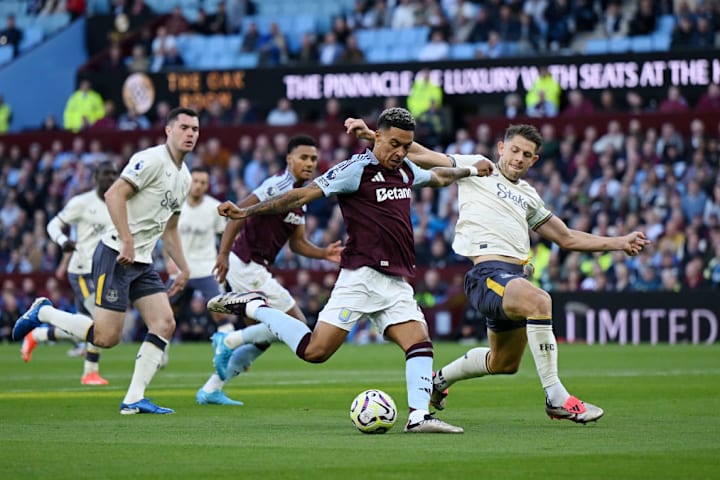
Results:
377 54
31 36
665 24
6 54
246 60
462 51
642 43
366 39
661 41
597 46
619 45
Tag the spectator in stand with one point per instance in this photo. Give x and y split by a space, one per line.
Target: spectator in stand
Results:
607 103
244 113
139 61
513 106
115 61
83 108
11 35
558 16
215 115
219 20
542 108
176 24
674 102
613 25
5 116
237 10
423 92
352 54
578 105
283 115
330 49
378 16
507 25
550 88
584 16
201 25
635 103
436 49
273 47
161 46
341 30
404 14
710 100
494 48
704 34
308 53
482 25
109 120
684 33
530 41
251 38
644 21
132 120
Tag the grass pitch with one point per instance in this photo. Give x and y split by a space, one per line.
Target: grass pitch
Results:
661 421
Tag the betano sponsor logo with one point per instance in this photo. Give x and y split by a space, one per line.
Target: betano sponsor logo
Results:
382 194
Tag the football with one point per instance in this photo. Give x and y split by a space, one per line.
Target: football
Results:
373 411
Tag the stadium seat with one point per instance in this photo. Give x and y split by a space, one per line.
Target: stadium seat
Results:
642 43
6 54
597 46
31 36
377 54
462 51
661 41
619 45
665 24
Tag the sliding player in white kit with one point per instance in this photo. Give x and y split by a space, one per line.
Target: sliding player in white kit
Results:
89 215
144 204
492 231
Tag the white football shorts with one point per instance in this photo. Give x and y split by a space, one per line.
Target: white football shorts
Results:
244 277
384 299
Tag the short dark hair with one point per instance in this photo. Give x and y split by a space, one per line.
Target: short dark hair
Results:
526 131
105 165
177 111
396 117
200 169
300 140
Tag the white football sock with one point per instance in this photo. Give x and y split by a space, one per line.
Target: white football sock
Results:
283 326
543 347
242 358
146 364
73 323
213 384
258 333
418 378
92 359
471 365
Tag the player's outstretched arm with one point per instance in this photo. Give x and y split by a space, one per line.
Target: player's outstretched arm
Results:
300 244
443 176
557 231
418 154
295 198
232 229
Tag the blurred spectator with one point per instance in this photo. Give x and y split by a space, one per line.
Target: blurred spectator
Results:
49 124
378 15
507 25
494 48
578 105
330 50
237 10
710 100
644 21
607 102
218 21
432 126
404 14
482 25
161 46
558 16
436 49
550 89
251 38
114 62
423 92
352 54
674 102
340 29
273 47
83 108
584 17
513 106
132 120
139 61
215 115
613 24
11 35
201 25
704 34
5 116
282 115
542 108
244 112
683 36
432 291
308 53
176 24
109 120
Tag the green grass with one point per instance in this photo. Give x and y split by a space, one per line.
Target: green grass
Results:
662 419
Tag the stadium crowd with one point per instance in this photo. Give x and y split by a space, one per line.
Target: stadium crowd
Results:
604 181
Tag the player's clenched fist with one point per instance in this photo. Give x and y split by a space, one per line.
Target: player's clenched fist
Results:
230 210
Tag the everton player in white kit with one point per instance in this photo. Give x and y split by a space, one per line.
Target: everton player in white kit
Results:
374 190
248 247
89 215
492 232
144 204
